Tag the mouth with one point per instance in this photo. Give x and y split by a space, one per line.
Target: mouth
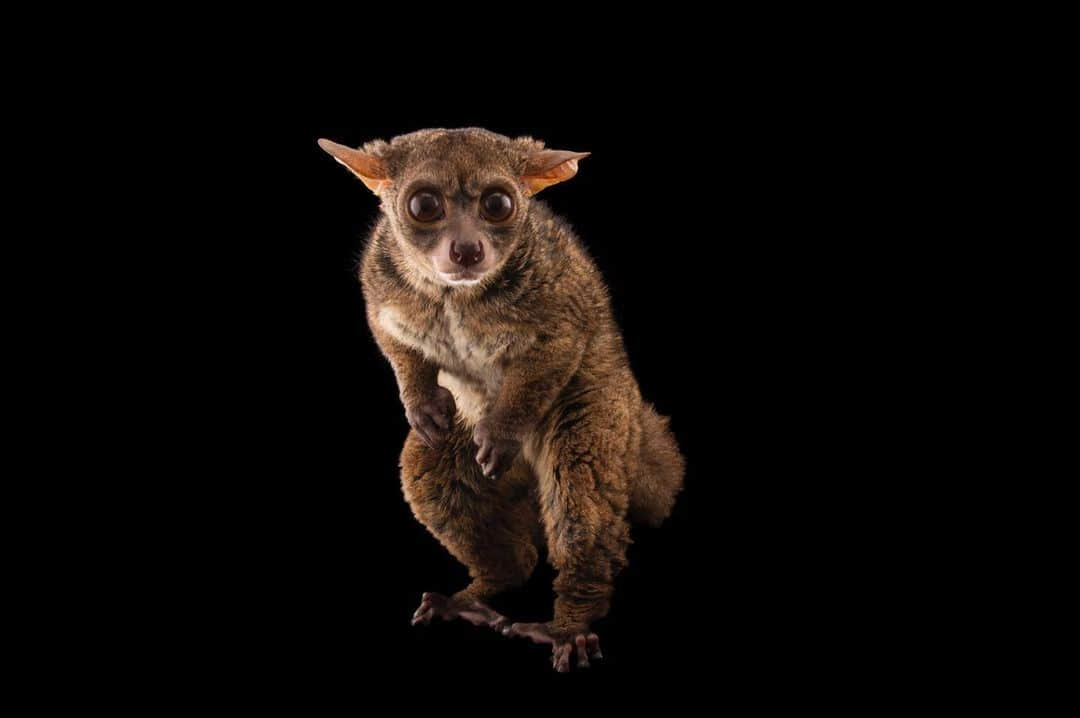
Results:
463 278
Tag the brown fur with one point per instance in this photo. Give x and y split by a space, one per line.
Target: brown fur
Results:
531 356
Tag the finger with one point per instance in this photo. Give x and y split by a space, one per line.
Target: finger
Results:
484 453
594 646
439 417
582 655
434 432
423 436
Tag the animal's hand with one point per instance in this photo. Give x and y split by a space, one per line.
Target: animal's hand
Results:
432 416
496 454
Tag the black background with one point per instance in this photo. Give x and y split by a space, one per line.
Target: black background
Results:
628 209
722 221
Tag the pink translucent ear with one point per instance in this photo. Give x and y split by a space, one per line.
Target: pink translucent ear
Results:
548 167
371 170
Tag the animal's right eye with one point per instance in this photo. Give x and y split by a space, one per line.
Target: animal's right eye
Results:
426 206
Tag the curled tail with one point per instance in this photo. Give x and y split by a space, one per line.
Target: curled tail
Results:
660 478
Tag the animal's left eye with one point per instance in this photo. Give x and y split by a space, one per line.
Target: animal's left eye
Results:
496 205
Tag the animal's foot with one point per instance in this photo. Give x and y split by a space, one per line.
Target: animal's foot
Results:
564 643
478 613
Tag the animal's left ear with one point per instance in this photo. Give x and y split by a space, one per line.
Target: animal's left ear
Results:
548 167
370 169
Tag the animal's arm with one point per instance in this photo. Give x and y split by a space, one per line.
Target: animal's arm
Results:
532 381
417 377
429 408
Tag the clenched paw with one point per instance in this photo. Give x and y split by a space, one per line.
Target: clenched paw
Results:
433 416
564 644
496 454
478 613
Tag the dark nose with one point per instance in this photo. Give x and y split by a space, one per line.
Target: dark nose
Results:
466 253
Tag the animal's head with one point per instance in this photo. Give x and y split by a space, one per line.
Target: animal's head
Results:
456 199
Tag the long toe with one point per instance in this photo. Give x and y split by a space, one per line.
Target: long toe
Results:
593 642
561 658
431 605
582 653
537 632
423 614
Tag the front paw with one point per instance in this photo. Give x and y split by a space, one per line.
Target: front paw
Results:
432 416
496 453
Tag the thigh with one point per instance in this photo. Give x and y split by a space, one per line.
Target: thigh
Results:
580 455
487 525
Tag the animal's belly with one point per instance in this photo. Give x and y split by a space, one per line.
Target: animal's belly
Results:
474 381
471 399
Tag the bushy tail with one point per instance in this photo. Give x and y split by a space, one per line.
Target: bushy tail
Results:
653 491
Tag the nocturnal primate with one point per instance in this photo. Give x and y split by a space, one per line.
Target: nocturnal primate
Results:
527 425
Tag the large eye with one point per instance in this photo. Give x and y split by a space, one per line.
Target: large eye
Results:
496 206
426 206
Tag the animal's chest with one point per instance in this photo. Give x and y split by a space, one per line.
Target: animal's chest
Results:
476 351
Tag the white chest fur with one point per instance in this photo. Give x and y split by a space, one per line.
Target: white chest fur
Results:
447 341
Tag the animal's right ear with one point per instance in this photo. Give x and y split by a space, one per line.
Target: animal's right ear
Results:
370 169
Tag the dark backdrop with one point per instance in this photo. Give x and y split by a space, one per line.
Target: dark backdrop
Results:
720 220
646 230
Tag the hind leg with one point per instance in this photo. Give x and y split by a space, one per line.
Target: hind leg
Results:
584 488
487 525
